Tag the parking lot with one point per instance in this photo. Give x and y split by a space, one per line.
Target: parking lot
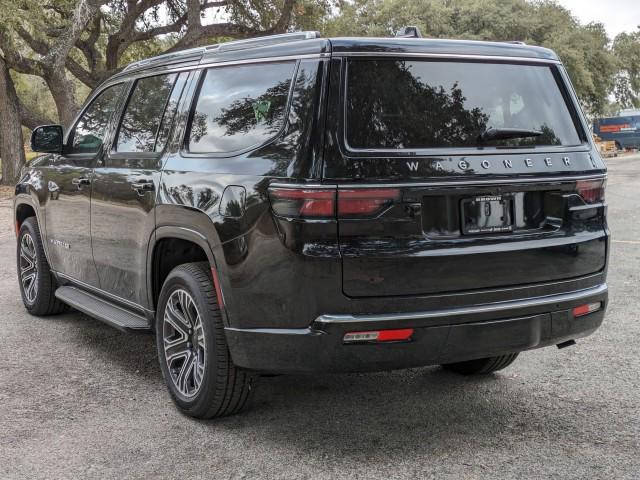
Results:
82 400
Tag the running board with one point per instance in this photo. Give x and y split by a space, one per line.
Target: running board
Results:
103 310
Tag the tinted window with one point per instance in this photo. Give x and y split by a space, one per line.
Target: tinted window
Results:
89 132
170 112
143 115
240 106
431 104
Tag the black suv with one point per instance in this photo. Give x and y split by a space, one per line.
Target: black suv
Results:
300 204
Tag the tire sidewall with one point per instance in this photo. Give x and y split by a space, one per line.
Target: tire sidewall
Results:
181 279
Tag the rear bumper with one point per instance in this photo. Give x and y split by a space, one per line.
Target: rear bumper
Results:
440 336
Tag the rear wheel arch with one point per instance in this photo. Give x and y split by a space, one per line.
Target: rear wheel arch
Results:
169 248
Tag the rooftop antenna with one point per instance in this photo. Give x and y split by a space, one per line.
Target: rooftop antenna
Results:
409 32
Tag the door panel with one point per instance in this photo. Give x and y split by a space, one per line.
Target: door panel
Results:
67 213
125 184
122 220
67 218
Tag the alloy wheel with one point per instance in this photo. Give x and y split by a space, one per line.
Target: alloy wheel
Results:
184 343
28 268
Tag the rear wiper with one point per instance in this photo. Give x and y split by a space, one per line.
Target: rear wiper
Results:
493 133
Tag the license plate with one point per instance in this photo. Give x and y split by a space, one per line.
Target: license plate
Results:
487 214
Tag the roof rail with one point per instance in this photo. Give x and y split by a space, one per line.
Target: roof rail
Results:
263 41
515 42
196 53
179 55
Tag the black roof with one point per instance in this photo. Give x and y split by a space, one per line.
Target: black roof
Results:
308 43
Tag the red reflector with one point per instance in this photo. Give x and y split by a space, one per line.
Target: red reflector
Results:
297 202
391 335
591 191
377 336
365 201
216 285
586 309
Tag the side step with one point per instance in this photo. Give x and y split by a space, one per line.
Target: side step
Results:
103 310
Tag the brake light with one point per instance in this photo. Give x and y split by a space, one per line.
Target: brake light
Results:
591 191
329 202
379 336
586 309
303 203
365 201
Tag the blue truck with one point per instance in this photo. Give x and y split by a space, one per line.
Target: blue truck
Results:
624 130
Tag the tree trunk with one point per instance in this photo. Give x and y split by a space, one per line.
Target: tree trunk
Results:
11 141
63 92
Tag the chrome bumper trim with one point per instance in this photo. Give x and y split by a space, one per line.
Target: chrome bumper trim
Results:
488 308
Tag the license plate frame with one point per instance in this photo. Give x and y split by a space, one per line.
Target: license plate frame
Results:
486 214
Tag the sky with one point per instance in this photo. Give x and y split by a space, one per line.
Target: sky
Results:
616 15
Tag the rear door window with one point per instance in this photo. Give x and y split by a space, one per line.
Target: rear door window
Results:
416 104
144 113
239 107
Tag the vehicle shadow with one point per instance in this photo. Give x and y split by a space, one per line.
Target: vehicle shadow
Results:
350 415
391 412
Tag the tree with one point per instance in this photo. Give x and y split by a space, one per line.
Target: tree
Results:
11 146
584 49
66 43
626 48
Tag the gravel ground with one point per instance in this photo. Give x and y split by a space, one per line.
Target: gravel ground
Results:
80 399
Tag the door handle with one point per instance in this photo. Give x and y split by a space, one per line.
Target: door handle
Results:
80 181
143 186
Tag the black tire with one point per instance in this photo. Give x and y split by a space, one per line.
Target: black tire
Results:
223 389
38 293
481 366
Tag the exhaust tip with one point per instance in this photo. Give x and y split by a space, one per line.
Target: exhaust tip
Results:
566 344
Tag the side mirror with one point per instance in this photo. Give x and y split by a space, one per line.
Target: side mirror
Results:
47 139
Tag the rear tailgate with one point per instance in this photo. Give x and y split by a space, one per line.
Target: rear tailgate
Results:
430 240
430 204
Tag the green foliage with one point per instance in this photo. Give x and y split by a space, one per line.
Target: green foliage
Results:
584 49
35 95
626 48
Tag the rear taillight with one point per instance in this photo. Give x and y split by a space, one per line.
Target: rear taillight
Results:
303 203
591 191
365 201
327 203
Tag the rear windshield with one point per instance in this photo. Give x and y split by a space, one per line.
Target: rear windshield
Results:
413 104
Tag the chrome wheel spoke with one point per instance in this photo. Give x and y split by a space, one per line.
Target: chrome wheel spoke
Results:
176 349
184 343
185 377
28 268
175 316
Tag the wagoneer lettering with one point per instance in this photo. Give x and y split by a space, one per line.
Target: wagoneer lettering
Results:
300 204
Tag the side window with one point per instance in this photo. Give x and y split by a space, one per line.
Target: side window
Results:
240 107
170 112
89 132
143 115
